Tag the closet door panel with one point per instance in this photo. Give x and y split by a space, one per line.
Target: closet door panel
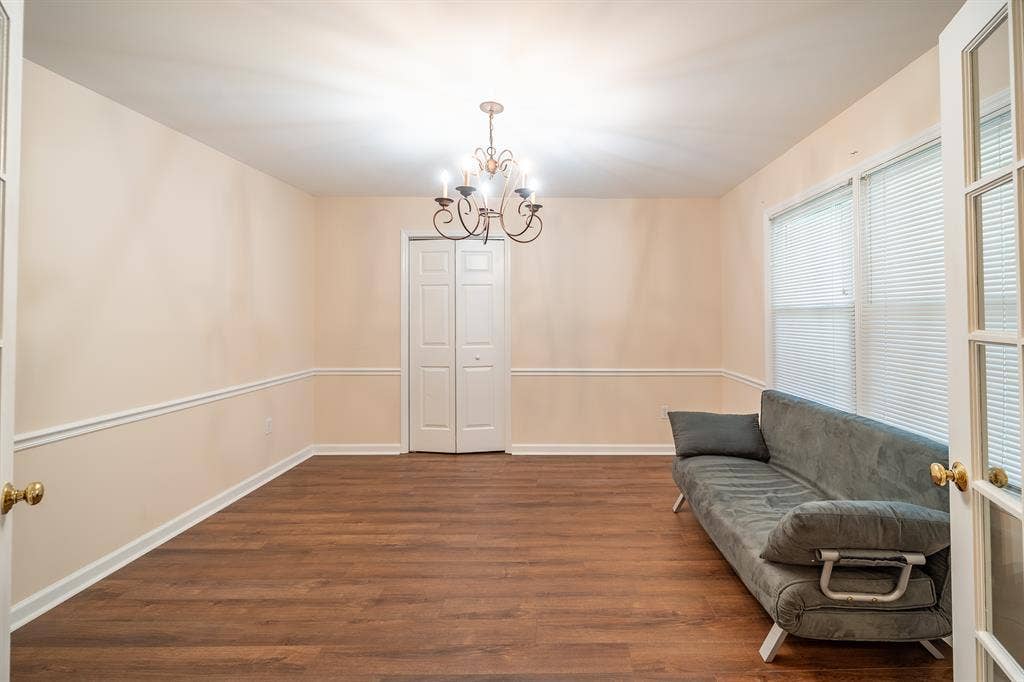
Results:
432 416
480 352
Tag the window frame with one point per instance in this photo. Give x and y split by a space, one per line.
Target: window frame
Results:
851 175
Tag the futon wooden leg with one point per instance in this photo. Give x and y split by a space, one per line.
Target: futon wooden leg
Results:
678 503
770 647
932 649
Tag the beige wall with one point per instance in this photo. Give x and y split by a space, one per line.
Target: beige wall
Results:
612 283
357 409
897 111
604 410
152 268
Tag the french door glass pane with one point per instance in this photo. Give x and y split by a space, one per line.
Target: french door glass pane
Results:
993 673
996 148
997 237
1006 581
993 128
999 373
1018 11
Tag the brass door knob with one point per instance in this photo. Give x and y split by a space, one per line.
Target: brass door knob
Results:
941 475
997 477
10 496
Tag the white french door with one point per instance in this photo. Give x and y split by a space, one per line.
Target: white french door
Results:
11 23
457 354
980 54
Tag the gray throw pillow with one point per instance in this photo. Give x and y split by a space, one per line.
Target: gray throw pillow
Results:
708 433
855 524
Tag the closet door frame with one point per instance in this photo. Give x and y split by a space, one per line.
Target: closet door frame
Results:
407 236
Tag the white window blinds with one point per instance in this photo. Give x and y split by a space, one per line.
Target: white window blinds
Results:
1000 368
902 331
811 299
997 245
995 148
998 255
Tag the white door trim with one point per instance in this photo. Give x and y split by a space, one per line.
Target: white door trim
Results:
407 236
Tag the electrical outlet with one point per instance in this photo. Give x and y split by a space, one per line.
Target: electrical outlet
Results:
664 412
268 426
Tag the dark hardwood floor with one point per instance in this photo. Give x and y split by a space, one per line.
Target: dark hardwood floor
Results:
440 567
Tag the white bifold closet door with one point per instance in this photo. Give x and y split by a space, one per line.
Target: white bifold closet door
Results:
457 346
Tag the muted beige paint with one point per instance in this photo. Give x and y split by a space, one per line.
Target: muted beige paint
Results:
897 111
151 268
610 283
357 409
613 283
604 410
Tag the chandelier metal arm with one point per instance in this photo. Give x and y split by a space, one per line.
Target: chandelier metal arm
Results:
534 219
471 209
526 216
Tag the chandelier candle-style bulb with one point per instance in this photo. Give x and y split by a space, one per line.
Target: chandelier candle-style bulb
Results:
499 177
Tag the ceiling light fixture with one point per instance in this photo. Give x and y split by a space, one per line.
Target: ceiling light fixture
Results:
474 205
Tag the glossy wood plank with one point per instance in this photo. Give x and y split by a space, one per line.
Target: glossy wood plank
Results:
436 567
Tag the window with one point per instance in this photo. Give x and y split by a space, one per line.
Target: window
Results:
812 305
858 312
902 339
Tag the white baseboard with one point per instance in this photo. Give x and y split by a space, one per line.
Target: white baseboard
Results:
357 449
67 587
591 449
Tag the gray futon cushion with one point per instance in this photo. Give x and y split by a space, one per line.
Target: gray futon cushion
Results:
707 433
741 501
855 524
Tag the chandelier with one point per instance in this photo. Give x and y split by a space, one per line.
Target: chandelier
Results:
479 204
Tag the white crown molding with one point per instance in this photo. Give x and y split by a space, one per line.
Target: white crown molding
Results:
33 439
357 449
67 587
591 449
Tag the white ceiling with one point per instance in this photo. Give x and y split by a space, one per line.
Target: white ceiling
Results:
605 99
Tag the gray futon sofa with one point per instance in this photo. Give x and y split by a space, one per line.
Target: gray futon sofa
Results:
816 454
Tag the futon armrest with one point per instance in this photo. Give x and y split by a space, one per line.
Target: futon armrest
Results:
872 558
894 527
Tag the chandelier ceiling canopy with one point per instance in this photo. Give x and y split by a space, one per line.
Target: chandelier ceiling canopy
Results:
479 202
